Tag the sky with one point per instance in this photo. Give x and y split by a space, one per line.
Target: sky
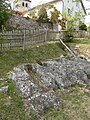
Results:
85 2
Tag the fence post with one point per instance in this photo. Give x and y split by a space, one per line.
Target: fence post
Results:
11 32
1 42
24 40
45 36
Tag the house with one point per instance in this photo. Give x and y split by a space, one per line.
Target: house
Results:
25 6
76 6
63 6
20 6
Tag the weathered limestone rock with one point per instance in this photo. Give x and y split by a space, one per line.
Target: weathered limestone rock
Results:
63 72
4 89
44 100
24 82
53 74
38 98
3 79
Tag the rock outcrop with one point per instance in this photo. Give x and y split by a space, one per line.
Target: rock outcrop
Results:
37 82
39 99
4 89
63 72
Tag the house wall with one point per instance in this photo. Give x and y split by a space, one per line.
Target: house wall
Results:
74 6
23 5
63 5
87 20
39 2
12 3
58 5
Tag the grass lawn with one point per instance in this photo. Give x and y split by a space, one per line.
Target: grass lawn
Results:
82 40
75 103
84 46
11 105
84 50
11 58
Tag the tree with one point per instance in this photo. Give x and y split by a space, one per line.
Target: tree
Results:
82 26
71 22
88 28
4 12
32 15
54 16
42 13
62 22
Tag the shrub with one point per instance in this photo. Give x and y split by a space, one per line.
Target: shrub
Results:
88 28
82 26
68 36
43 17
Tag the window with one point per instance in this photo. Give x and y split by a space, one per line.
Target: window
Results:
26 4
77 4
23 4
68 10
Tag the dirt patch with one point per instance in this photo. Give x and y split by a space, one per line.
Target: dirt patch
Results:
84 49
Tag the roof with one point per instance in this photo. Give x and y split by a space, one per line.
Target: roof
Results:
54 1
51 2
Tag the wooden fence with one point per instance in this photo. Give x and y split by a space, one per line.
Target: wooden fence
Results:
21 38
24 37
81 34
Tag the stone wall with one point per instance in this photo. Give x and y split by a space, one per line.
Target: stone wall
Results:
18 22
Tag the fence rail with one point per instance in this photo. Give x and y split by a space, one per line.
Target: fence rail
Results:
81 34
21 38
24 37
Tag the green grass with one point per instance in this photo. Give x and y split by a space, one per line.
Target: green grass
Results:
82 40
75 103
11 58
11 105
84 47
